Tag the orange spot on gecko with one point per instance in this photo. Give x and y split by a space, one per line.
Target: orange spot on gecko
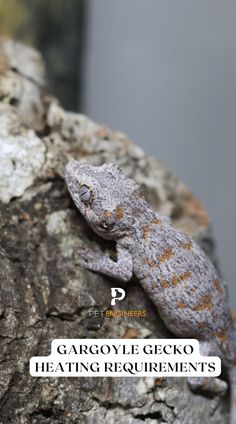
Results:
120 213
106 214
166 255
193 289
178 279
156 221
182 305
146 232
187 245
218 286
221 335
205 303
154 285
152 263
145 260
164 284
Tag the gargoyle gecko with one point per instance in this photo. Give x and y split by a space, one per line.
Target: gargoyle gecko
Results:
176 274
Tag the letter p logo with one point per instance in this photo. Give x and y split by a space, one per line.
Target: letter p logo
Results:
114 292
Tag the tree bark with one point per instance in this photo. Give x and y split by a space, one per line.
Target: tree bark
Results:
44 293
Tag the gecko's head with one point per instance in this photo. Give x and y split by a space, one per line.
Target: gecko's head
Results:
103 194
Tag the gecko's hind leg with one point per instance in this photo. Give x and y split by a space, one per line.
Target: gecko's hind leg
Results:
211 385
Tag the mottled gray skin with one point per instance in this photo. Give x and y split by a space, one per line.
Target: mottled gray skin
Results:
176 274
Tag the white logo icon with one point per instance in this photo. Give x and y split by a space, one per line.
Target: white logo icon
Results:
114 292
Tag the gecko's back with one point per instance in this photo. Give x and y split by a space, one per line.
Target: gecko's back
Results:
183 284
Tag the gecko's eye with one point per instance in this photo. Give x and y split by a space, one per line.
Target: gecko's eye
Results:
84 193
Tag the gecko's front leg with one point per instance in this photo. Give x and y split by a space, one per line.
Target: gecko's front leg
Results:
98 261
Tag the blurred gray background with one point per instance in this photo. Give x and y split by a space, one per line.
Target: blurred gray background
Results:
164 72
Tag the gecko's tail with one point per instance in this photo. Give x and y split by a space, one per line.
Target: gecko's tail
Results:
232 377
